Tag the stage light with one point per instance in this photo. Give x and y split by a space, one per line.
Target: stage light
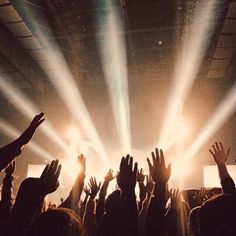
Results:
196 40
29 110
179 169
114 62
13 133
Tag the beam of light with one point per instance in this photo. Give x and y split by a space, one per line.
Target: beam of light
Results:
76 144
61 77
226 109
113 54
65 85
29 110
13 133
196 42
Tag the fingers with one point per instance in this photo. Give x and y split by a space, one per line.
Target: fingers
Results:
38 120
162 159
135 168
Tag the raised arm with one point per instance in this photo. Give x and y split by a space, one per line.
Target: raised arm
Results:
75 194
127 221
30 198
220 156
160 175
13 149
142 188
100 208
7 198
90 212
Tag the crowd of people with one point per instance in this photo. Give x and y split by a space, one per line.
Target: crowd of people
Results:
157 211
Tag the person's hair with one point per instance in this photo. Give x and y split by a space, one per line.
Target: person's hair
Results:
57 222
113 201
217 216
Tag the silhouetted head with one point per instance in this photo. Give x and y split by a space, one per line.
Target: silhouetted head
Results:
28 191
217 216
113 202
57 222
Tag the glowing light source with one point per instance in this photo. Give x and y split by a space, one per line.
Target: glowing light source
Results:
180 169
114 62
193 50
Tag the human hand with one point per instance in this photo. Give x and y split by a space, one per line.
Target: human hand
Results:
127 176
175 197
109 176
201 196
140 176
158 170
10 169
29 132
86 190
219 154
49 177
94 186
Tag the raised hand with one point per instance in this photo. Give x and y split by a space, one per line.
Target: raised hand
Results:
109 176
86 190
49 177
201 196
127 176
158 170
10 169
140 176
94 186
175 197
29 132
219 154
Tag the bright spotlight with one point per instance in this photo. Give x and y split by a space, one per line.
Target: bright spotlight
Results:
180 169
195 44
114 62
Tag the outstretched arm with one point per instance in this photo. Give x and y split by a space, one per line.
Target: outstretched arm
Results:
75 194
100 208
12 150
160 176
30 198
90 212
220 156
142 188
7 199
127 221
